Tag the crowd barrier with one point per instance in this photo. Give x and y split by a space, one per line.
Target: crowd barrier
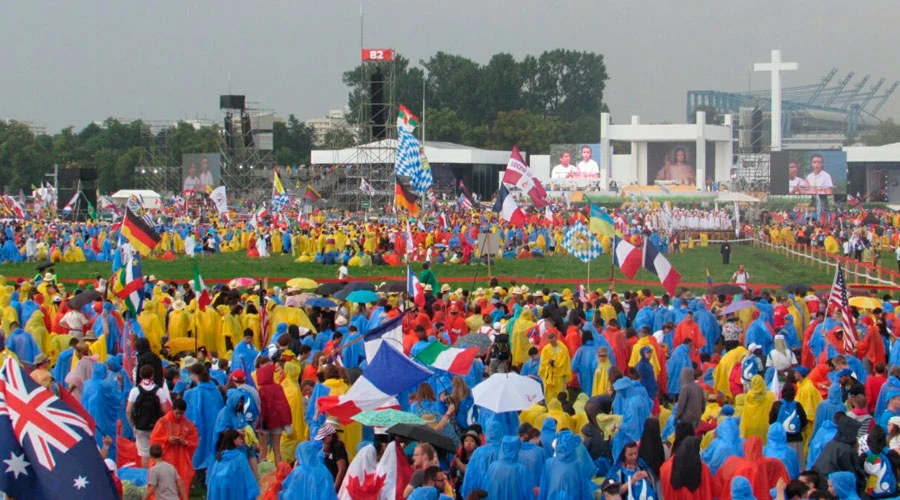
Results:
870 274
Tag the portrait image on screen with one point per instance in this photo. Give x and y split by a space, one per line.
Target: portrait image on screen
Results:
200 172
809 172
575 161
677 162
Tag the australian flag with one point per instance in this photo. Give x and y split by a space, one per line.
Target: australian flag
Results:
47 450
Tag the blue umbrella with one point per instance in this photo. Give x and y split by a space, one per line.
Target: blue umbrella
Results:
321 302
360 296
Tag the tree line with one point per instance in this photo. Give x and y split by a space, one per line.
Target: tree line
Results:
555 97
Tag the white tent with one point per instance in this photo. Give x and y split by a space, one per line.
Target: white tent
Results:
739 197
151 199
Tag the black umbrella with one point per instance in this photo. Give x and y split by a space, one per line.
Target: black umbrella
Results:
329 288
393 287
341 294
423 434
796 288
359 285
726 289
44 266
83 298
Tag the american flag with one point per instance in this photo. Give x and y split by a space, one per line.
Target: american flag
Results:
838 299
464 201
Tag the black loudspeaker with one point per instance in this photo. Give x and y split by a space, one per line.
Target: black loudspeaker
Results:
88 174
63 195
68 178
756 131
247 130
229 133
377 108
231 102
91 195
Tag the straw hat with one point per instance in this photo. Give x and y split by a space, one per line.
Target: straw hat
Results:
538 293
340 321
428 288
479 292
178 305
515 291
445 288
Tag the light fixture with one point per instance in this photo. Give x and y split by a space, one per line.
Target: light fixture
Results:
241 167
155 170
143 170
251 167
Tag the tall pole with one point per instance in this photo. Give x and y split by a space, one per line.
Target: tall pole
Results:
424 79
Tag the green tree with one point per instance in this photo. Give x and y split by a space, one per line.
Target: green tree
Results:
453 83
293 141
443 125
407 88
500 86
886 132
339 137
566 84
530 131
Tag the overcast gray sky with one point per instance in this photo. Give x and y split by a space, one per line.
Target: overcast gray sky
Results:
67 63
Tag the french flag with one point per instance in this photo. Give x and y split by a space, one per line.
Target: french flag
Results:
628 257
390 331
508 209
414 290
657 264
389 374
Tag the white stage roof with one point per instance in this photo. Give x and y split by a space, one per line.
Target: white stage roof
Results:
866 154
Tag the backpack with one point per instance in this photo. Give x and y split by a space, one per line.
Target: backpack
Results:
146 410
501 350
788 417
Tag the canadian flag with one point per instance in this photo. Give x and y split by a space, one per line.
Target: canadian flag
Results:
508 209
519 174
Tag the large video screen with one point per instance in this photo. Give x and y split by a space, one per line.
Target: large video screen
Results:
575 161
809 172
200 172
676 162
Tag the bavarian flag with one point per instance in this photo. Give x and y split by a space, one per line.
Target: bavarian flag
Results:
404 197
139 233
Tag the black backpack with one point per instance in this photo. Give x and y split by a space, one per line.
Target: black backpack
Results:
501 350
146 410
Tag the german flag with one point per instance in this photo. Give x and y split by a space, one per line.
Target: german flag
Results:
141 236
404 197
312 194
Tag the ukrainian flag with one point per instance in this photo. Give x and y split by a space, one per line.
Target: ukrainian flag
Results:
601 222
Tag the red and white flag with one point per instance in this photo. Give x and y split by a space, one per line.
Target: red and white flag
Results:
838 299
519 174
628 257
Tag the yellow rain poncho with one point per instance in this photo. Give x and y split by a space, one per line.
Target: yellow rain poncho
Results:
723 370
519 337
152 329
601 378
289 315
809 398
38 331
555 369
179 324
757 403
556 412
298 433
534 415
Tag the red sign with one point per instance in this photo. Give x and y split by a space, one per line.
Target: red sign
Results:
377 55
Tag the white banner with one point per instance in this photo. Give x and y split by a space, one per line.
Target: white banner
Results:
219 197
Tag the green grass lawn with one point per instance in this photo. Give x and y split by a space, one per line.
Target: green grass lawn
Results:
764 267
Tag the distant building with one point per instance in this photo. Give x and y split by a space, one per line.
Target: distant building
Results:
322 125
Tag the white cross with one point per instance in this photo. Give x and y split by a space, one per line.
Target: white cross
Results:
776 67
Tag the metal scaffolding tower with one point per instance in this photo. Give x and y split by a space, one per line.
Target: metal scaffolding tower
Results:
247 151
156 169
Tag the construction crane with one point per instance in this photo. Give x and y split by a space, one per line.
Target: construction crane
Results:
852 97
837 90
884 98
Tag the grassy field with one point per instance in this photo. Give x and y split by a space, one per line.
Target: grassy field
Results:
764 267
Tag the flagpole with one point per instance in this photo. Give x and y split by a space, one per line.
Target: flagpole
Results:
612 269
589 275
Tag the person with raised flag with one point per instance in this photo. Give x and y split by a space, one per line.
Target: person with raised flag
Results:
519 174
508 209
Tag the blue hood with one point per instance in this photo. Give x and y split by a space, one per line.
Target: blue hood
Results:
509 449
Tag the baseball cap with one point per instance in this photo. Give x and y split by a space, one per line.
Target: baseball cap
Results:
238 376
895 421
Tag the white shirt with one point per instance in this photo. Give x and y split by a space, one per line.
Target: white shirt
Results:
206 179
897 251
75 322
562 172
588 169
741 278
820 180
343 272
797 182
147 385
190 183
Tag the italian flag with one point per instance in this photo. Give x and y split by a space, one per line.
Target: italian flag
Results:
450 359
203 299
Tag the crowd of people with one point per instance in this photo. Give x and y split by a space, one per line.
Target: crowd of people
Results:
644 396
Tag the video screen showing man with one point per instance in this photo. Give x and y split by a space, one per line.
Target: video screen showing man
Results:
191 180
205 181
587 168
819 181
796 183
677 168
565 169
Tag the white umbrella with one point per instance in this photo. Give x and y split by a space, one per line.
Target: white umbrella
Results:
507 392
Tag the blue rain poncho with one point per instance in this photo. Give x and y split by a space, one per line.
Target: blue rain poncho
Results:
476 471
23 345
99 398
819 439
644 317
758 333
230 478
532 458
777 447
203 405
709 326
585 364
244 358
790 332
563 478
741 489
680 358
662 316
310 479
827 409
231 416
114 374
631 400
548 436
844 484
728 443
508 477
647 374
